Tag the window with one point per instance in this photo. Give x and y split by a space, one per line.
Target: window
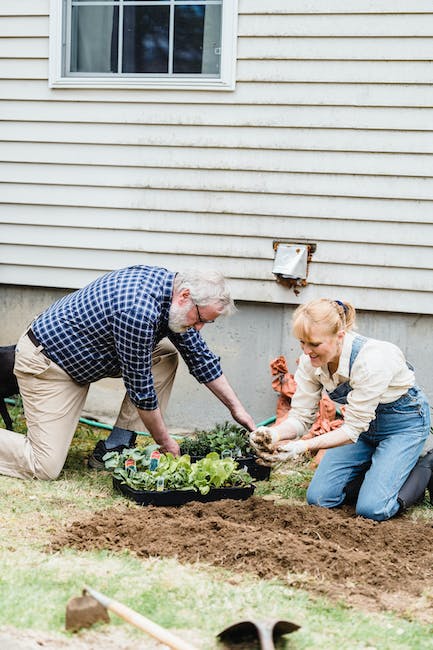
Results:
130 43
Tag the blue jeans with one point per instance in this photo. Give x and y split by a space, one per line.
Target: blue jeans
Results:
392 445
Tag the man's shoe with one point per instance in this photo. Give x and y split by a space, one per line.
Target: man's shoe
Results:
95 460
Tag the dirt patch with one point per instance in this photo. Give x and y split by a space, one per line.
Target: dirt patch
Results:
371 565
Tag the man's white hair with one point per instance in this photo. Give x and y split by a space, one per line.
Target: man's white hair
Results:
206 288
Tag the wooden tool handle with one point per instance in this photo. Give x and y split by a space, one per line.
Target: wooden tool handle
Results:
143 623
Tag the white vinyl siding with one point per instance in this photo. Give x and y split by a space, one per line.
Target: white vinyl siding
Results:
328 138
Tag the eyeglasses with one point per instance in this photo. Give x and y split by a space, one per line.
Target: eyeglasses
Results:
200 319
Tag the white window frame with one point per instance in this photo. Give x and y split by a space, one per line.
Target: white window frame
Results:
226 80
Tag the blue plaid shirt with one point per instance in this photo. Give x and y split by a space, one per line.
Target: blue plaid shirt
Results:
111 327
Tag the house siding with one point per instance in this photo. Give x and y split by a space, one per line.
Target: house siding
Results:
328 138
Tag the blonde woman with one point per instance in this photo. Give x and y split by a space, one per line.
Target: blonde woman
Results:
386 421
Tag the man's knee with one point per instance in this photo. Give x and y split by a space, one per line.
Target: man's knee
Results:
172 359
165 361
166 353
47 472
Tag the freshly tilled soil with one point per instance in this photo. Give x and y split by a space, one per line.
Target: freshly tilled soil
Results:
387 565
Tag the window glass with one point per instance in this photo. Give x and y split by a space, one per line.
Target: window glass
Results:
146 39
197 39
94 38
157 37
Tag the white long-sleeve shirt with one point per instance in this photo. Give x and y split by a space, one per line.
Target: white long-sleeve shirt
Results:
379 375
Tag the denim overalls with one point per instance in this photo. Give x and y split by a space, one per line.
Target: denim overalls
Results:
389 448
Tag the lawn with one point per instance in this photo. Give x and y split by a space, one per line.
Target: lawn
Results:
177 583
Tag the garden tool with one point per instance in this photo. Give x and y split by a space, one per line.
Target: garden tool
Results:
92 607
267 632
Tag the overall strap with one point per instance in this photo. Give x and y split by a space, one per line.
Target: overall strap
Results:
357 344
340 393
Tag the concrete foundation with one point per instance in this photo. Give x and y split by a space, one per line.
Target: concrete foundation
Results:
246 342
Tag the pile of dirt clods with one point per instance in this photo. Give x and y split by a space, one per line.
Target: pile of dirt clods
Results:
386 565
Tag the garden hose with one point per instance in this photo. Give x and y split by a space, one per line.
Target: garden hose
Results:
101 425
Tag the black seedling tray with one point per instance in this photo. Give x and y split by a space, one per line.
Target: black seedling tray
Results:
180 497
259 472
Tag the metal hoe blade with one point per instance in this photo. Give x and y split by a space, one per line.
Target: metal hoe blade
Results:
84 611
266 632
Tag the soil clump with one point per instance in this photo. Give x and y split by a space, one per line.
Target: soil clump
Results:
367 564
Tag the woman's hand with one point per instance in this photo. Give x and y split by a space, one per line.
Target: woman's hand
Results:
281 453
292 449
267 438
264 439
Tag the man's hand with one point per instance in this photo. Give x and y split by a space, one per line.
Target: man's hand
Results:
170 446
154 423
225 393
243 418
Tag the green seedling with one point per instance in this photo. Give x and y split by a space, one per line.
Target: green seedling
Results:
222 438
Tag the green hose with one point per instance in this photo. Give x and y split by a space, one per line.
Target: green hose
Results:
101 425
93 423
266 422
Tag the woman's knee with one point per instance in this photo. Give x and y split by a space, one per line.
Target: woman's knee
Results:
370 513
312 496
319 495
324 496
378 511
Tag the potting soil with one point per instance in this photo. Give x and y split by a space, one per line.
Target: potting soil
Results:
387 565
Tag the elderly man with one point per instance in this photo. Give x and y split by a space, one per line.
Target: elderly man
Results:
117 326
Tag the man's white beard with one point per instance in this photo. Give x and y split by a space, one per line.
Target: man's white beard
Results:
176 318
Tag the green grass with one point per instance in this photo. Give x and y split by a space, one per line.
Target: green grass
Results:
195 601
288 483
198 601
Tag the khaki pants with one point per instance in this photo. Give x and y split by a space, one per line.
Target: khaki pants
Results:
52 405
